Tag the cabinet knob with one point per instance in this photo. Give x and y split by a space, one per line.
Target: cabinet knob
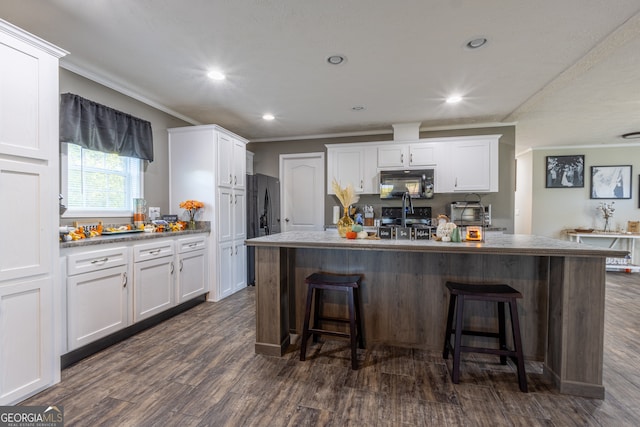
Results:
286 219
172 267
124 279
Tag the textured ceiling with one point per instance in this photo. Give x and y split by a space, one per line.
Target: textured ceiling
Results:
565 72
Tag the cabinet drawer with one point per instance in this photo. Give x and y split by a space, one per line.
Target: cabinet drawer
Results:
88 261
190 244
152 250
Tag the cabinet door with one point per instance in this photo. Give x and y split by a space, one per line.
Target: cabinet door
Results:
153 287
24 220
192 274
346 166
471 166
225 214
26 339
97 305
422 154
239 164
239 215
239 265
225 162
393 155
225 269
370 171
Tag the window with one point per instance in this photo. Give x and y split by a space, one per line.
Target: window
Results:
99 184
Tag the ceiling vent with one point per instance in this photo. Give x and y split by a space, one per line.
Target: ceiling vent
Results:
406 131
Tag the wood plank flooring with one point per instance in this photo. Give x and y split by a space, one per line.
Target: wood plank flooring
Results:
199 369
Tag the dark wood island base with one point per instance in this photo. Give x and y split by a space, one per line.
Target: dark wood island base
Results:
404 298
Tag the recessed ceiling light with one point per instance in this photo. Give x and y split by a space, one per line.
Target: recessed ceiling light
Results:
268 117
216 75
453 99
358 108
476 43
631 135
336 59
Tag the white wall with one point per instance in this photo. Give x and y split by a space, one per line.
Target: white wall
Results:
523 195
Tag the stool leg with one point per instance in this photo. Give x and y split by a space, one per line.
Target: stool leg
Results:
517 342
352 330
502 331
358 318
455 374
316 312
305 327
447 332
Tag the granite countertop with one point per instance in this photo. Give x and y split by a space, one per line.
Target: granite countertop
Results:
515 244
202 227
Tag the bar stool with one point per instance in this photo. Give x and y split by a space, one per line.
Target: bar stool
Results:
501 294
333 282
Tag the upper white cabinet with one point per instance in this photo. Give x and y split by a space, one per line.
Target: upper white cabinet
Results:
30 326
208 163
232 164
354 164
401 155
469 164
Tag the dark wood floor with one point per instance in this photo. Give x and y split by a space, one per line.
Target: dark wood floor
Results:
199 369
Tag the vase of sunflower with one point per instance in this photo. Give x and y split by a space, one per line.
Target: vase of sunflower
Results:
192 207
347 198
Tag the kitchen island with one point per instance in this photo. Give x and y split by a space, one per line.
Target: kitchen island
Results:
404 299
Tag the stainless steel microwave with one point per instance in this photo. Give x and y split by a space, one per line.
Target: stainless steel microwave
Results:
418 183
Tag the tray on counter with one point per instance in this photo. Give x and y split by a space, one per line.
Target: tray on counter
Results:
108 233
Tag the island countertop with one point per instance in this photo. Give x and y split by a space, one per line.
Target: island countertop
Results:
507 244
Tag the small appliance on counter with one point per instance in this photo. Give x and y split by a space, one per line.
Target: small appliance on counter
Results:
139 212
469 213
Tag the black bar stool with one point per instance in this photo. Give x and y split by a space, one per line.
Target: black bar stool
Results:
501 294
333 282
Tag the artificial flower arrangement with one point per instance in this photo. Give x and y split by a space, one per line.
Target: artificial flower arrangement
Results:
607 212
192 207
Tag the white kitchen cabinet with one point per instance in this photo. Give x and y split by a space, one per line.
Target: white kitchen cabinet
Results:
232 272
354 164
232 161
30 288
153 279
395 155
193 274
208 163
469 164
98 294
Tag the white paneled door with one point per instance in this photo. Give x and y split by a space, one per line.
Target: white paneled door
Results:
302 191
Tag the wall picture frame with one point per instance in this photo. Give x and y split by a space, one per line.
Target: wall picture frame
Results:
611 182
565 171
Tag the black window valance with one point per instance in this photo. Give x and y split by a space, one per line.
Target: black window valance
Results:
101 128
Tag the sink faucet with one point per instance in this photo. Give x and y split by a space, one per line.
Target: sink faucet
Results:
406 197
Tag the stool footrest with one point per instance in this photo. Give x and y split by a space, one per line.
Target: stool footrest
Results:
333 319
478 333
326 332
496 351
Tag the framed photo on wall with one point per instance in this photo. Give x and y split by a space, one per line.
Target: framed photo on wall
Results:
611 182
565 171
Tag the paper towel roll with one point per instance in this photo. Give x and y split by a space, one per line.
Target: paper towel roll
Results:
336 214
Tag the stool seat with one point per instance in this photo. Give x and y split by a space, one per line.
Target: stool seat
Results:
321 281
499 293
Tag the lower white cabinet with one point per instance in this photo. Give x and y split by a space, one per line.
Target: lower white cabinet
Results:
98 294
111 288
193 277
232 260
153 279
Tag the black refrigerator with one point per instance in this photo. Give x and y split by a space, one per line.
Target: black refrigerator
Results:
263 214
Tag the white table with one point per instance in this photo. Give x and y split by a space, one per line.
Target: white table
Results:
617 239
